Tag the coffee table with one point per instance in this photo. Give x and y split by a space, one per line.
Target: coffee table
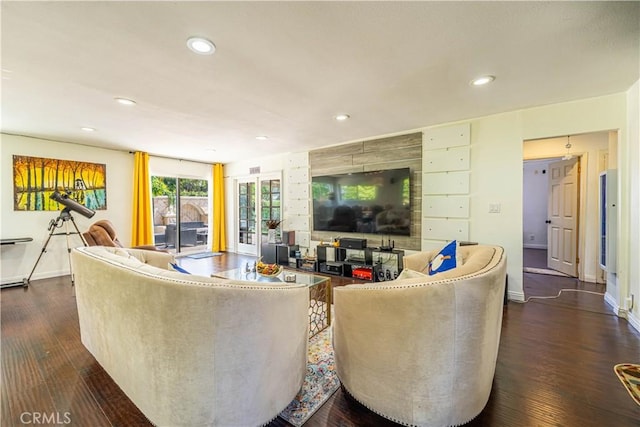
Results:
319 292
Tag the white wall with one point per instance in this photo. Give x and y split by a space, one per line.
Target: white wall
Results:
241 170
18 260
535 190
496 167
162 166
496 177
632 199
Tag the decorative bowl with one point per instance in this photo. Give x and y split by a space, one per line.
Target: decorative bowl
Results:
270 270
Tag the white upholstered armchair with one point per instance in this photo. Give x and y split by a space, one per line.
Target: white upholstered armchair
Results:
422 351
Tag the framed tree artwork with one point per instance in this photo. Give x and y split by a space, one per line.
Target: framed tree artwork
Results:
36 178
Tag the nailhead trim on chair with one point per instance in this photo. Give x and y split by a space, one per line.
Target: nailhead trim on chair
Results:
485 270
398 421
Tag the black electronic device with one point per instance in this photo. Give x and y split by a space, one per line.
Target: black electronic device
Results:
376 202
331 268
386 248
350 243
275 254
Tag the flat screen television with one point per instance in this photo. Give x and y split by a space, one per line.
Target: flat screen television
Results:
377 202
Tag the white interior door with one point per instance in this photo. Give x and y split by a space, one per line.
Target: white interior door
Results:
562 253
247 227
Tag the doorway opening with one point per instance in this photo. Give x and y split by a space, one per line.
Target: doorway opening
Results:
258 205
550 216
544 248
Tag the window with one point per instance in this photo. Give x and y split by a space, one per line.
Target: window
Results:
270 202
246 212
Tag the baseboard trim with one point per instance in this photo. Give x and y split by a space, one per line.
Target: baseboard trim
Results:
634 321
516 296
534 246
609 299
36 276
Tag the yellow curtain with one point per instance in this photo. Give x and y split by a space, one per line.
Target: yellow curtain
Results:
219 238
142 227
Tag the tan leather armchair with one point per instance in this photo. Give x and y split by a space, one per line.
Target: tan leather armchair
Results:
102 233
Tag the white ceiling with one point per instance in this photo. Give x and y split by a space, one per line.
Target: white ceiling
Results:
284 69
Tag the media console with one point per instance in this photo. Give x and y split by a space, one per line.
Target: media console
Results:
372 264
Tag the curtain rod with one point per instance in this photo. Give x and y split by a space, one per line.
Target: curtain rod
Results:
180 160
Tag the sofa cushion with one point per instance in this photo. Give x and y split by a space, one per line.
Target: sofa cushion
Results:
177 268
119 255
476 258
446 259
407 273
133 258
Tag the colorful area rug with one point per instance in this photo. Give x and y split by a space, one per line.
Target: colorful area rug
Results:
629 374
203 255
320 382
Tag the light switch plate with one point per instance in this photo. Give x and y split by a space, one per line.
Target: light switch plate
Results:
494 207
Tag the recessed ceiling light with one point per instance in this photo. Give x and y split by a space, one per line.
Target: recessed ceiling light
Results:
341 117
125 101
482 80
201 46
88 129
262 137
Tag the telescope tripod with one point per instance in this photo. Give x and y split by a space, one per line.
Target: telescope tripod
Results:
54 224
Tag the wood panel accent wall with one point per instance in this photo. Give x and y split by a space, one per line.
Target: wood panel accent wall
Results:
379 154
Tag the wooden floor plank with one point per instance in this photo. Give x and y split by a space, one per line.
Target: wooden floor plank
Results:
555 363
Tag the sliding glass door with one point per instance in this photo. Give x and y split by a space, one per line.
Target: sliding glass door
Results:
180 213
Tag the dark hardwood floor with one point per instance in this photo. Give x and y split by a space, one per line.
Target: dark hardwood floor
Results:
536 258
555 364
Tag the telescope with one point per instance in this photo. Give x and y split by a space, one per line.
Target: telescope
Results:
72 205
63 219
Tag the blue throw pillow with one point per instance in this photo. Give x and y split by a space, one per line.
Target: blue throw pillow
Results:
445 260
176 267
